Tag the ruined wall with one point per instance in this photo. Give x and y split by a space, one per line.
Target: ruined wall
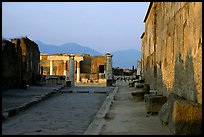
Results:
149 49
30 59
178 48
89 66
85 65
45 64
95 62
11 65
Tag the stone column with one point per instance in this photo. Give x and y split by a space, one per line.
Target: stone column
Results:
78 71
109 71
71 70
51 67
65 67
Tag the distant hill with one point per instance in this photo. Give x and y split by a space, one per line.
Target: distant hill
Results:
70 48
122 59
126 58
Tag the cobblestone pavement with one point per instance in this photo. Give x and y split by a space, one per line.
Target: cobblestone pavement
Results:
62 114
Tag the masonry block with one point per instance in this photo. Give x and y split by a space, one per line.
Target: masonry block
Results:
153 103
186 118
182 117
139 85
109 82
138 95
68 83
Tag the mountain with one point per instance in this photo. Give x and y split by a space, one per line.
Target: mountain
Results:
66 48
126 58
122 59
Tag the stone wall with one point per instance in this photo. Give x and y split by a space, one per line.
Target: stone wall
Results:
20 63
11 65
95 62
172 49
30 59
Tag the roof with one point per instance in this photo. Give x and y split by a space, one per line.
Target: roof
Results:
150 6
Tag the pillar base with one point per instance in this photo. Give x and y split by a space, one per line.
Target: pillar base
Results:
68 83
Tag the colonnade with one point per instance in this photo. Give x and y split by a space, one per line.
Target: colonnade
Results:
69 75
71 58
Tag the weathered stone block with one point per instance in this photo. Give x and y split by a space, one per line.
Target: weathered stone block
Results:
139 85
186 118
183 117
153 103
131 84
146 88
138 95
68 83
109 82
165 111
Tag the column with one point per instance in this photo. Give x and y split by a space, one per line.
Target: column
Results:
65 68
71 70
78 71
51 67
109 73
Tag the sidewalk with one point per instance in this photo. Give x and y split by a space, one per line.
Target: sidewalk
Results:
124 116
16 100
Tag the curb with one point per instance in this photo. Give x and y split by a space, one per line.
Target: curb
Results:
99 119
13 111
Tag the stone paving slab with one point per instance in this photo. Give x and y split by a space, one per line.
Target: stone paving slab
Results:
63 114
16 100
88 89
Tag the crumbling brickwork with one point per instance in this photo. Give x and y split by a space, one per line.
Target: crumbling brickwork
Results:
91 67
30 59
172 49
11 65
20 62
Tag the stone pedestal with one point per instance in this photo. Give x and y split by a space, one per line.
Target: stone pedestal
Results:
68 83
153 103
138 95
109 82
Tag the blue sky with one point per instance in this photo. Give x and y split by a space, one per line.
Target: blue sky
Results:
102 26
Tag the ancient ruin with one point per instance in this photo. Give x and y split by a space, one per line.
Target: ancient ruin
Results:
20 63
172 60
79 69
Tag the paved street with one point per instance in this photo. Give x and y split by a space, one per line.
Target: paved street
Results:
73 110
16 97
61 114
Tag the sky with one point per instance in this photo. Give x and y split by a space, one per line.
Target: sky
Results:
102 26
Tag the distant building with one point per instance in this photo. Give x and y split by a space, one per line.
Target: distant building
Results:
87 69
